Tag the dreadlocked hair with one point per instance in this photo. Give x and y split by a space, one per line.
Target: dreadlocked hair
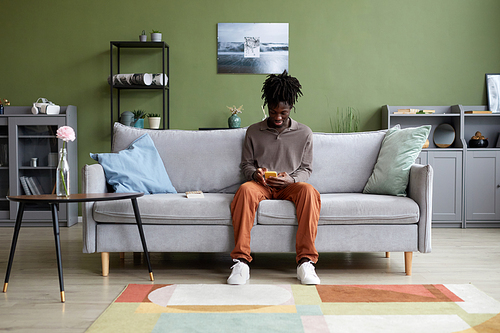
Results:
281 88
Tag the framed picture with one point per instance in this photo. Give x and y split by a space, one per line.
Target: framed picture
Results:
252 48
493 91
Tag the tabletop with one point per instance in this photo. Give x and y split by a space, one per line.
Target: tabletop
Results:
79 197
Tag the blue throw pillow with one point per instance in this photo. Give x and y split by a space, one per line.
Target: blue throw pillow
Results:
138 168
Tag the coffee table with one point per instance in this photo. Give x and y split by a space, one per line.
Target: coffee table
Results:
53 200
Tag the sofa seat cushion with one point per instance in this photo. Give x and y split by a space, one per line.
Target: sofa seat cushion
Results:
345 208
168 209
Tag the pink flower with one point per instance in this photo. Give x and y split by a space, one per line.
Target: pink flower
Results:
66 133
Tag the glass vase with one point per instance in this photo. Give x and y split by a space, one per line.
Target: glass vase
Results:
62 174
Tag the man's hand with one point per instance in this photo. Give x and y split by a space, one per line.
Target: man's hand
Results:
258 176
282 181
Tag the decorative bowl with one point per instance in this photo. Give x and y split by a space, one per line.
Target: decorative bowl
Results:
478 143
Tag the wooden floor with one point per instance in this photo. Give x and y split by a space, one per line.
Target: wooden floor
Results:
32 303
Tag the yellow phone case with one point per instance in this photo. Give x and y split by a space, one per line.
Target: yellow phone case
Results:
271 174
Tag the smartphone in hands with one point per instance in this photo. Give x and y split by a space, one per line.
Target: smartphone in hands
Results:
270 174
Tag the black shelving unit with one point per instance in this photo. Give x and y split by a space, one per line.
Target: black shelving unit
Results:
165 68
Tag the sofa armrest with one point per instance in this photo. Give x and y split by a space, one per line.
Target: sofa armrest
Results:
93 181
420 190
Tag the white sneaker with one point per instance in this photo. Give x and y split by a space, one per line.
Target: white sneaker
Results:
240 273
306 273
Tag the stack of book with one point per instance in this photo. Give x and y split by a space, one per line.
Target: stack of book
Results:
31 186
477 112
414 111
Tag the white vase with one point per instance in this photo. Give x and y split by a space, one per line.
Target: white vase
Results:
154 122
155 37
143 38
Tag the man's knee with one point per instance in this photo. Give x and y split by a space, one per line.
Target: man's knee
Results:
247 186
308 189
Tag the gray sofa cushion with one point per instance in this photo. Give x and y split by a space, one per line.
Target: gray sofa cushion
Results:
336 208
208 161
346 208
343 162
168 209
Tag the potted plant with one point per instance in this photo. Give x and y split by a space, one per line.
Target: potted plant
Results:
154 120
156 36
234 121
346 121
139 116
143 37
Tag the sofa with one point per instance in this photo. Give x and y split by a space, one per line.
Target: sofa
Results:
208 161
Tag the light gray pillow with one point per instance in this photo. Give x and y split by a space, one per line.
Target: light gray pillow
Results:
399 150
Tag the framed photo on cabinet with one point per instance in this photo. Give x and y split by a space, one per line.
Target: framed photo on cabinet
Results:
493 92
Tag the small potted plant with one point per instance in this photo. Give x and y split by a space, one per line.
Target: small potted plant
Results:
139 116
143 37
154 120
234 121
346 121
156 36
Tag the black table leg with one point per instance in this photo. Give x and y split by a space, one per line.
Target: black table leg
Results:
17 227
141 233
55 220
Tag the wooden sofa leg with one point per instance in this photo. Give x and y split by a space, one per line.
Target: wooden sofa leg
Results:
388 254
105 263
408 260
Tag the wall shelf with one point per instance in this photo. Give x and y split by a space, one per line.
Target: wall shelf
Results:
165 62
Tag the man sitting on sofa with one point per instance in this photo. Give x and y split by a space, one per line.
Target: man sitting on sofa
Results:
279 144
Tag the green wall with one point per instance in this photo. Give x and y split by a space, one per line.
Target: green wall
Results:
359 53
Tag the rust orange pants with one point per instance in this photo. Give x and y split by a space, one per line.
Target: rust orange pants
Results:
244 207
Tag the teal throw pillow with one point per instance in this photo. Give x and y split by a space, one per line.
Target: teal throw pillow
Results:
139 168
398 152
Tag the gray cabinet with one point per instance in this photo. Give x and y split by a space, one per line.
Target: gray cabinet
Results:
447 187
482 169
482 196
466 189
23 137
422 158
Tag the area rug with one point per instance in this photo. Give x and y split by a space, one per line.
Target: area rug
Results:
297 308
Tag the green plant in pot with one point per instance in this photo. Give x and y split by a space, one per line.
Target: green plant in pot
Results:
154 120
234 121
156 36
143 37
345 121
139 116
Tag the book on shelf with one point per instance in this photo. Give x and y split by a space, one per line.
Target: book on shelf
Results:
413 111
478 112
24 184
38 185
194 194
406 111
34 185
